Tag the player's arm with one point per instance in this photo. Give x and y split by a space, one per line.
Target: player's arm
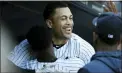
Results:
110 7
60 65
22 57
21 54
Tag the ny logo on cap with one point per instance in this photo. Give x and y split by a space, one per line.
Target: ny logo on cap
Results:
110 36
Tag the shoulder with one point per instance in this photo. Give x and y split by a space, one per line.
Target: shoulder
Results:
77 38
90 67
82 46
23 45
83 43
24 42
97 66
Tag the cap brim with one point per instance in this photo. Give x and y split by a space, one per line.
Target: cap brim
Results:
94 21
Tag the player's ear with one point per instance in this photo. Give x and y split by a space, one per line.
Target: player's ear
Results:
95 36
49 23
119 43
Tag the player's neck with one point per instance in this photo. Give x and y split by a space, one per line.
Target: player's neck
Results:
104 47
58 41
119 47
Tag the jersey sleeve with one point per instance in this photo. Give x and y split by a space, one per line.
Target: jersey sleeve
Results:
21 54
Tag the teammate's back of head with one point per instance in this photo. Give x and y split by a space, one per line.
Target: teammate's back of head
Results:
40 38
108 28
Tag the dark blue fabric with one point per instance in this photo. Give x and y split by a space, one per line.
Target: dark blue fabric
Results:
104 62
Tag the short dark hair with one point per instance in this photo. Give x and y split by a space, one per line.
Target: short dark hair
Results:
39 37
50 8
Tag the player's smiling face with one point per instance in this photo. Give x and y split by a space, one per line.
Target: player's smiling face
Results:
62 23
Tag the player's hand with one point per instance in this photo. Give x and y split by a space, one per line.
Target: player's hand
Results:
110 7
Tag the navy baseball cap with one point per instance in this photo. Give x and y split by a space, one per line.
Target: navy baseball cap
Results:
108 26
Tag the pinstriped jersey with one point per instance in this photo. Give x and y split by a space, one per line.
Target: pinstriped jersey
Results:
75 47
61 65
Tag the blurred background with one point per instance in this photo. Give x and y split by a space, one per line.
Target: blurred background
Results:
17 17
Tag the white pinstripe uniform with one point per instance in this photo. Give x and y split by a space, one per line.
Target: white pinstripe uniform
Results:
75 47
62 65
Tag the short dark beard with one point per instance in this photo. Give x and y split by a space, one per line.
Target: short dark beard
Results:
58 36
